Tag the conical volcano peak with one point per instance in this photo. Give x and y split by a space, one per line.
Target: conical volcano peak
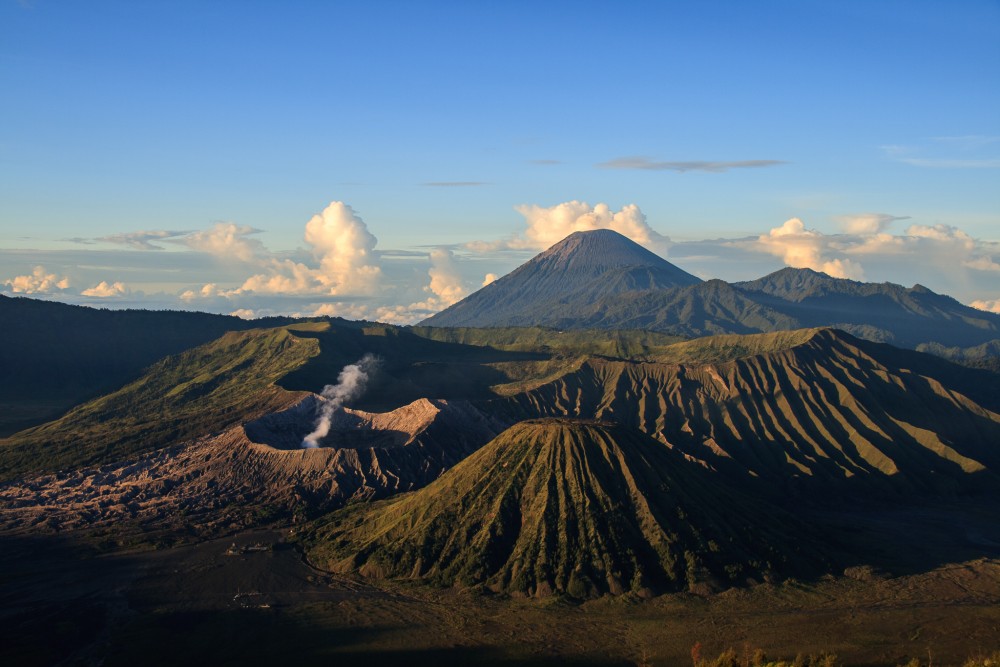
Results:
574 507
600 248
568 277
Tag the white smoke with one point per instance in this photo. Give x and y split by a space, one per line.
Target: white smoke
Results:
350 383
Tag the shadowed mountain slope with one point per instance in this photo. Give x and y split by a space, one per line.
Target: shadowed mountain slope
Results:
204 390
903 316
563 506
807 411
54 356
581 268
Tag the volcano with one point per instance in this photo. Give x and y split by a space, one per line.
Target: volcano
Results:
575 507
601 280
583 267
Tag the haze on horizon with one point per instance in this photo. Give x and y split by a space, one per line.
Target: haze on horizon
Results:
384 160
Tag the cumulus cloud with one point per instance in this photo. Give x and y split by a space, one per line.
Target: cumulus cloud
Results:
444 289
803 248
867 223
446 283
952 246
141 240
206 292
106 290
244 314
938 248
39 281
489 278
345 248
549 225
989 305
337 237
946 233
284 277
227 240
645 163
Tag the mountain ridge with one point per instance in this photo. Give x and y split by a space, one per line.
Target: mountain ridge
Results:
579 267
550 290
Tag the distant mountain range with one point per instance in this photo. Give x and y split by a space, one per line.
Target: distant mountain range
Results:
602 280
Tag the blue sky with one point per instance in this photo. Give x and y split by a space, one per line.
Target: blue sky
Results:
167 146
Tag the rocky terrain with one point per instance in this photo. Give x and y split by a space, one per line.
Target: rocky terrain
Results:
801 469
252 474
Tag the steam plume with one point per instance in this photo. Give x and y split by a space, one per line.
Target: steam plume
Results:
350 383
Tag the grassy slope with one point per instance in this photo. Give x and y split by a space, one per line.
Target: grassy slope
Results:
54 356
203 390
560 506
798 409
618 344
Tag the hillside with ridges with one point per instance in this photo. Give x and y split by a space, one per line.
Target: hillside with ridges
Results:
903 316
567 507
204 390
54 355
804 411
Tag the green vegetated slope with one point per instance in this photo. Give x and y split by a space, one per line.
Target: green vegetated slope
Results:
54 356
799 409
200 391
633 344
564 506
232 380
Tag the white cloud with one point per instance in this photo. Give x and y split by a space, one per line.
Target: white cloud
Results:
549 225
803 248
445 288
867 223
965 152
141 240
39 281
446 284
227 240
941 233
489 278
983 263
244 313
106 290
345 248
338 239
206 292
285 277
711 166
989 305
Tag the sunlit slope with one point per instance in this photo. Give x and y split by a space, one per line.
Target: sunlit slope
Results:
798 408
198 392
562 506
240 376
625 344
